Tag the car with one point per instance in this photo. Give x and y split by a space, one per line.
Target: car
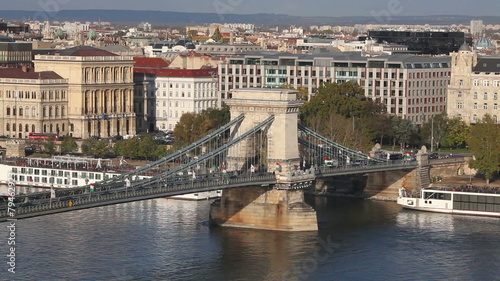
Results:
433 155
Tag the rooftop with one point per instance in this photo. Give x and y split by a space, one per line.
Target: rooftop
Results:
19 73
83 51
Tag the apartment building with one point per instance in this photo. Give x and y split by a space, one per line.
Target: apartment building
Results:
474 86
412 87
164 95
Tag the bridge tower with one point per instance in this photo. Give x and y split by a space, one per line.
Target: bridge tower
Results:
279 207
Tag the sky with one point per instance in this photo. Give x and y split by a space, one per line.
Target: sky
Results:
332 8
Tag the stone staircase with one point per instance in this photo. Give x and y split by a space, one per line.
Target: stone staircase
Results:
425 179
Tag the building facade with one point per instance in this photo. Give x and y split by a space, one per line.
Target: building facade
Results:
412 87
32 102
164 95
474 86
100 90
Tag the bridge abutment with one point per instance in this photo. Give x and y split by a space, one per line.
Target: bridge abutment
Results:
264 208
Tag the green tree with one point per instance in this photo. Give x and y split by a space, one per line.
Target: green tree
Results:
192 126
403 130
436 127
457 133
483 140
303 92
68 145
49 146
217 36
97 148
147 147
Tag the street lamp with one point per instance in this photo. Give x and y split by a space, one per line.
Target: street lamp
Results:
432 133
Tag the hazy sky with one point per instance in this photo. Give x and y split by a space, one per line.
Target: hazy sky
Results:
290 7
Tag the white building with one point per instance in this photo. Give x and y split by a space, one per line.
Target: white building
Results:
167 94
476 28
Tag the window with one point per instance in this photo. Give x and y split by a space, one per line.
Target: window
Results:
476 83
495 106
486 83
459 94
485 106
485 96
495 96
475 105
475 96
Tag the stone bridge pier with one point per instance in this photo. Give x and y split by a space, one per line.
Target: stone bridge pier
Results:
279 207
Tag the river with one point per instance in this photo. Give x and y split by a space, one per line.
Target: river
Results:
167 239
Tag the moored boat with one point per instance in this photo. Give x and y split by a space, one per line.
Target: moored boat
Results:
465 200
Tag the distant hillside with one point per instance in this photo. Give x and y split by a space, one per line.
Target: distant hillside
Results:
164 17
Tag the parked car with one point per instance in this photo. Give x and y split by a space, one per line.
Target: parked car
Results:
433 155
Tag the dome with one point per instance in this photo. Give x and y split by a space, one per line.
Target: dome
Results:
59 34
483 42
92 35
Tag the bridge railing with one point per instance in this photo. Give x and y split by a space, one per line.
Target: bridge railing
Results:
162 190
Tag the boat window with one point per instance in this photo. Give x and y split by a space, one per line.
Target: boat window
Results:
436 195
14 170
91 176
75 174
37 172
44 172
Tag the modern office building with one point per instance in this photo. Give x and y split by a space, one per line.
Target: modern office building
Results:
412 87
15 54
474 86
424 42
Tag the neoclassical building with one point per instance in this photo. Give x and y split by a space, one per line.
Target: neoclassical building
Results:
474 86
100 90
32 102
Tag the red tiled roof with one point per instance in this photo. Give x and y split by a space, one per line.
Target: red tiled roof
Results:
150 62
18 73
175 72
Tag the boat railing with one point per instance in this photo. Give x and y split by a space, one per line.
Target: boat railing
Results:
470 188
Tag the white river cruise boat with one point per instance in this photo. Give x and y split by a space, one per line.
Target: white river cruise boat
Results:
468 200
58 172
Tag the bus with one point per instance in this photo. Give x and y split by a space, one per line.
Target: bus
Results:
43 136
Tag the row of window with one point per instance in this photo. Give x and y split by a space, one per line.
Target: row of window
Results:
45 95
203 94
55 173
475 118
50 128
460 105
186 85
107 75
486 83
47 111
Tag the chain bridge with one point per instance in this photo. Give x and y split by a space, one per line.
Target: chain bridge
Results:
262 159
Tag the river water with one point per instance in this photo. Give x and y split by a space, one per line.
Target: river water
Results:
167 239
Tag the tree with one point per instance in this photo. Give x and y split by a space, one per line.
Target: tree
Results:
342 113
458 132
483 140
147 147
49 147
217 36
436 127
303 92
68 145
194 126
97 148
403 130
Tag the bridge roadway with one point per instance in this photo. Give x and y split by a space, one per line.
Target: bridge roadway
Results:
40 203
